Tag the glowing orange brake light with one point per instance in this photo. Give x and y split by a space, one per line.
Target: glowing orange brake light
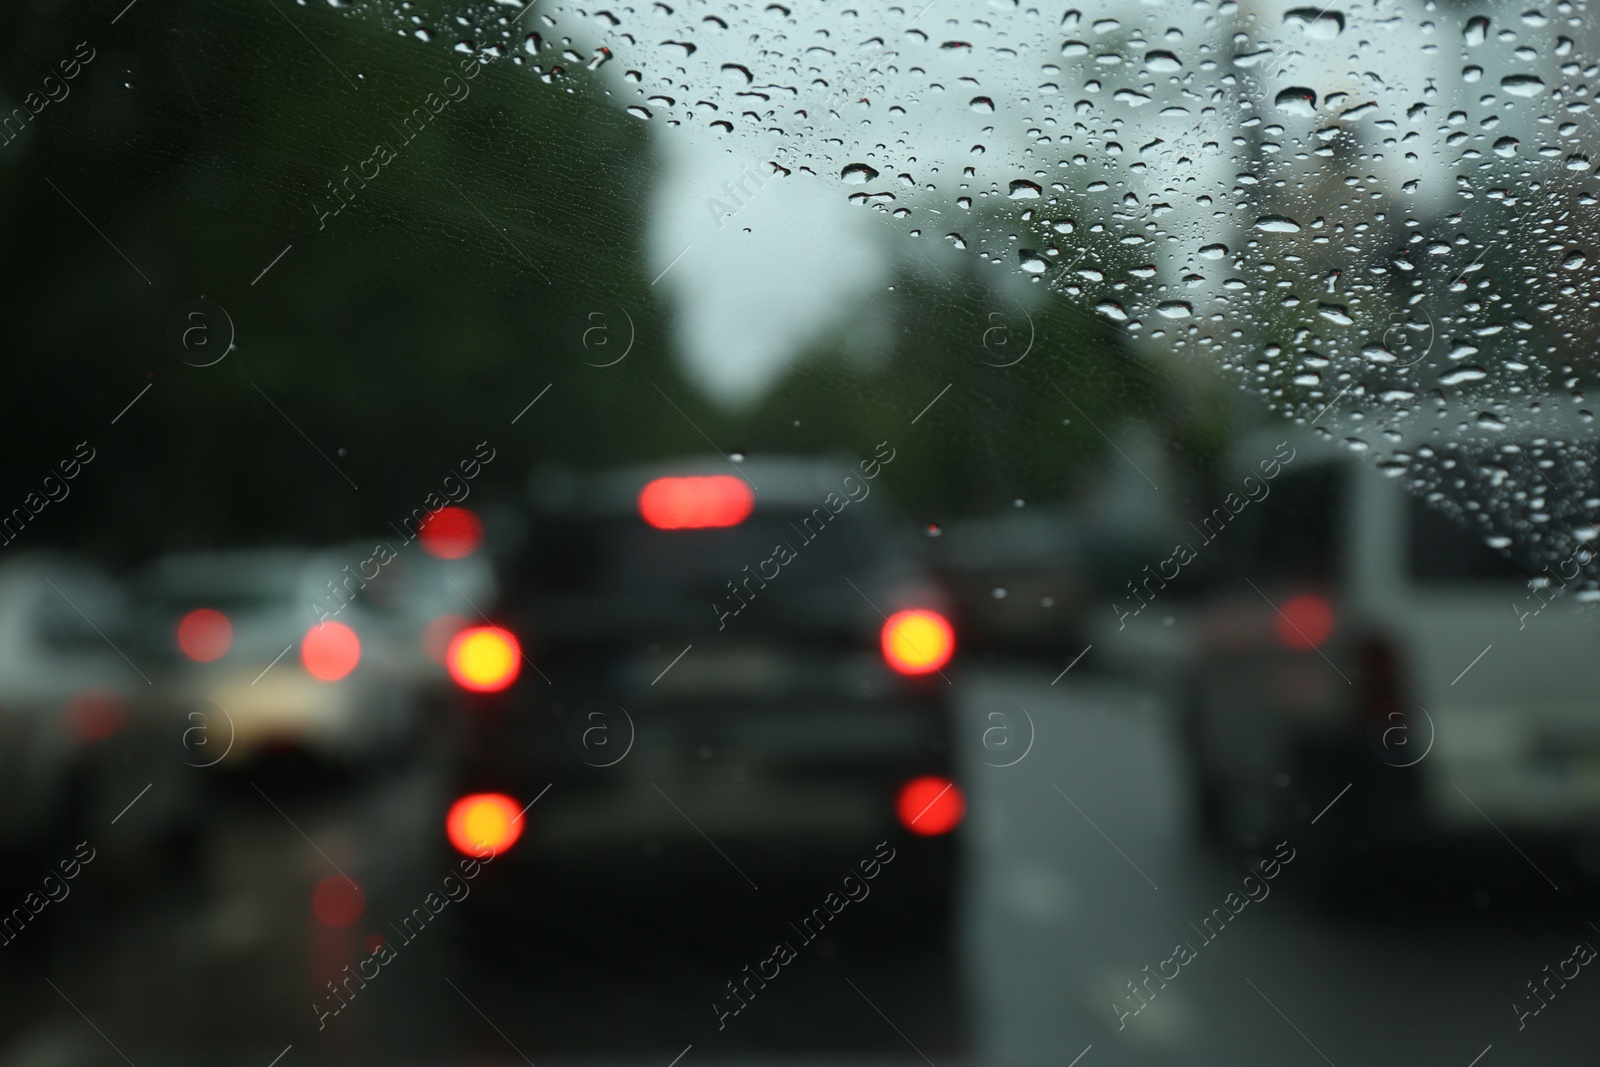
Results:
696 503
484 659
917 641
483 820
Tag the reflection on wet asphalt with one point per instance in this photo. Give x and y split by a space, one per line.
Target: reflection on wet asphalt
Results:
175 961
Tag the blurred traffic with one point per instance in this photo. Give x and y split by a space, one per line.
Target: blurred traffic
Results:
697 729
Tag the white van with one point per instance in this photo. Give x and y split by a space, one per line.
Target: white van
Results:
1364 634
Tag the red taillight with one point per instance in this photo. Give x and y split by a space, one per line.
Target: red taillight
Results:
330 650
96 714
696 503
1380 683
337 901
917 641
483 820
451 533
484 659
1386 714
204 635
931 805
1305 622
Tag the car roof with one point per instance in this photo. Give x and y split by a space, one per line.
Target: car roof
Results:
201 572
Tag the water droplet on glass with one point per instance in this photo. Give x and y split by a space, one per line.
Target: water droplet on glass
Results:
1277 224
1336 313
858 174
1321 24
1522 84
982 105
1297 100
1022 189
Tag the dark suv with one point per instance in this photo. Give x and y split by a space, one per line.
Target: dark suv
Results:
732 680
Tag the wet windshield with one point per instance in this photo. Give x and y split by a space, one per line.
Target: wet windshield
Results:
1225 600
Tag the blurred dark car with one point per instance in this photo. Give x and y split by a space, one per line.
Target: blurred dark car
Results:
725 678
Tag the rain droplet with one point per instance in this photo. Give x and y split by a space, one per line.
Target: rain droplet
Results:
1297 100
1112 310
1032 261
1320 24
982 105
1465 374
1022 189
1575 259
858 174
1162 62
1174 309
1522 84
1277 224
1214 251
1476 31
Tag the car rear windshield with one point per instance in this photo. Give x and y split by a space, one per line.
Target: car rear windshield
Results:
1439 551
623 555
1295 533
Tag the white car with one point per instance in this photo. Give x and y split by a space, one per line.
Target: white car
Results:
283 650
1363 635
